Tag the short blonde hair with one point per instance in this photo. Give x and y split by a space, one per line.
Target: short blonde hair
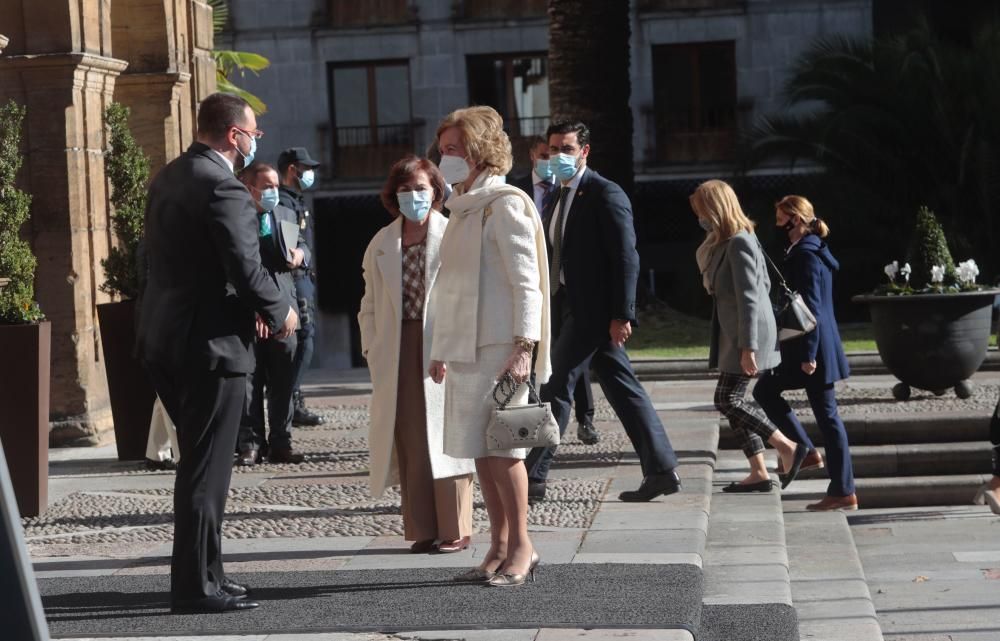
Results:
800 206
483 136
716 201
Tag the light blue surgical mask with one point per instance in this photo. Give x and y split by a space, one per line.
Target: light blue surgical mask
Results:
705 224
563 166
415 205
247 159
307 178
543 169
268 199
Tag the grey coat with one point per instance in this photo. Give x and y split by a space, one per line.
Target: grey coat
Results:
742 317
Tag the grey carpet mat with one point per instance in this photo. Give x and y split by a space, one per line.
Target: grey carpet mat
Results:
574 595
759 622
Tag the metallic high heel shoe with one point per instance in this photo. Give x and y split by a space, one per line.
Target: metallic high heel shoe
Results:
475 575
510 580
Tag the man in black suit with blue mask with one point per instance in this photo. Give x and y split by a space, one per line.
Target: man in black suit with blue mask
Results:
594 268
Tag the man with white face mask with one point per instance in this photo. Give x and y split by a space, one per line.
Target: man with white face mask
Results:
298 174
275 368
593 270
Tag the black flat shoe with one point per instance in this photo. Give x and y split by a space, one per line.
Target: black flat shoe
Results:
536 492
221 602
232 588
740 488
801 451
651 487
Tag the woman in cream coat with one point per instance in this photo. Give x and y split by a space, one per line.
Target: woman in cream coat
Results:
491 305
405 438
744 335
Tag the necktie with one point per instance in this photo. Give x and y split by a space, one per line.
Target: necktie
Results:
557 242
548 191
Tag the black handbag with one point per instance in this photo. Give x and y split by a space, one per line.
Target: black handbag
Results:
518 426
791 314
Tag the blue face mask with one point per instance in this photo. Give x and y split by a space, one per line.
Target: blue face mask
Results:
705 224
415 205
247 159
563 166
268 199
307 178
543 169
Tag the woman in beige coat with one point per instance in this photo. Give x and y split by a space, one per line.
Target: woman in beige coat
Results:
491 304
405 437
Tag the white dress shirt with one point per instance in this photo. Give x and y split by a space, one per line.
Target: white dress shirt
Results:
573 184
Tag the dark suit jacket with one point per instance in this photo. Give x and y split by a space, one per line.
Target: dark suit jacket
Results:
809 268
524 184
273 258
204 279
294 200
599 260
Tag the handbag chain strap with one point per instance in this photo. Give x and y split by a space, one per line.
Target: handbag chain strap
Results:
507 387
774 268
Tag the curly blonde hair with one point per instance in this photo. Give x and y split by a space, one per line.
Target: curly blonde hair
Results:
483 136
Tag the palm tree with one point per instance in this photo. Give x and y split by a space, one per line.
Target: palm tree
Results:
589 79
908 120
230 63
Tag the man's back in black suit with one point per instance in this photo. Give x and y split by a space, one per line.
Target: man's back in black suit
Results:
204 282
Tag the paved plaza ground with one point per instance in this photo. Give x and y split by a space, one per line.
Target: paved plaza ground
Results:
328 562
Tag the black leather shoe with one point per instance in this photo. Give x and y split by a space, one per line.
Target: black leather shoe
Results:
653 486
303 416
536 492
801 451
587 433
248 457
221 602
284 455
232 588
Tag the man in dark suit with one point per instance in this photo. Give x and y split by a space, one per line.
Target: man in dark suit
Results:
297 170
278 230
196 323
594 268
540 185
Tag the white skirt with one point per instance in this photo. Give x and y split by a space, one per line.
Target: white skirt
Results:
468 404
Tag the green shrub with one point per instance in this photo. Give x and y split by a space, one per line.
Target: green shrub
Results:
127 169
17 298
928 248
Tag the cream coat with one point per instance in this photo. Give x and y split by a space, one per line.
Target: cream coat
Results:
380 319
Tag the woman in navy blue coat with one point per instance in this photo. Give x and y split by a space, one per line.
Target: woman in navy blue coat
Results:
816 360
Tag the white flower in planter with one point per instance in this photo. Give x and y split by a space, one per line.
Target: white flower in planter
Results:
967 271
937 273
892 269
905 271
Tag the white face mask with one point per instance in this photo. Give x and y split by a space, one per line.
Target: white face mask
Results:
454 169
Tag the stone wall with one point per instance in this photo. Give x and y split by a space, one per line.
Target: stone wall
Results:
66 61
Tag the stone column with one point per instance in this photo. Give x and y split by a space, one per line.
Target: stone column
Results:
202 43
57 65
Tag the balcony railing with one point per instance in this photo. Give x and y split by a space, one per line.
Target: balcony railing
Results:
370 13
368 152
500 9
689 5
680 137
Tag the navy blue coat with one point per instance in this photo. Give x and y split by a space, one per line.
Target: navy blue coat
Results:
599 258
809 268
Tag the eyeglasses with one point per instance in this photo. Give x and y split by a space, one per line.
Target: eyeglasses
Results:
256 133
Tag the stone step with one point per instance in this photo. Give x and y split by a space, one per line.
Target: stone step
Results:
829 589
899 491
916 459
895 428
747 592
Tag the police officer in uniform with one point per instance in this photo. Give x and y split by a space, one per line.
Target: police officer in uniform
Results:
298 173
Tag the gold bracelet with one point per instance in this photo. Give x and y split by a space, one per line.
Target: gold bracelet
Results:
525 344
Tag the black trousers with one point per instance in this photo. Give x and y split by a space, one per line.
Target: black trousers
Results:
206 407
305 291
275 376
575 352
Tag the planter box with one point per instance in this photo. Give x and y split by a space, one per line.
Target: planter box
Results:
132 395
932 341
24 412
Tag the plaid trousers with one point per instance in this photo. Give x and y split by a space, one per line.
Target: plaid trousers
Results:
747 420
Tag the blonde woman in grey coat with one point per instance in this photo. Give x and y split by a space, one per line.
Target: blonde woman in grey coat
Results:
744 334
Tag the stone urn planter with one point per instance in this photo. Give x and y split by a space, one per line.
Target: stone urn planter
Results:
933 342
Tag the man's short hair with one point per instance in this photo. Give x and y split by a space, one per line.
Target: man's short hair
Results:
569 127
219 112
537 140
249 175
